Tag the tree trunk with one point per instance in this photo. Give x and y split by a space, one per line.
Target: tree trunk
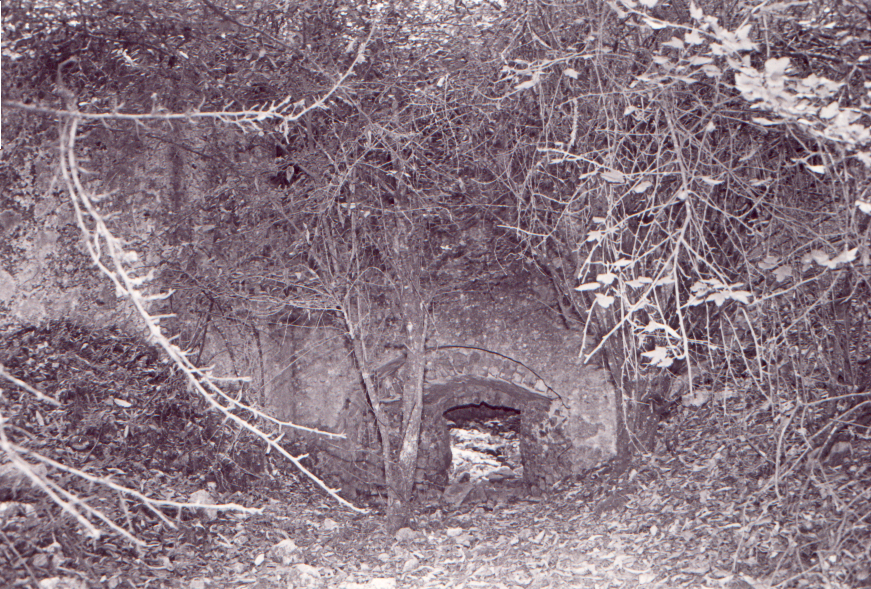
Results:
413 311
354 320
636 391
406 260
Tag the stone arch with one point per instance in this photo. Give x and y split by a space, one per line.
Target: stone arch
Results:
534 409
455 361
463 375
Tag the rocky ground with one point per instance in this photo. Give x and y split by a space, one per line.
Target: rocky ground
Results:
720 503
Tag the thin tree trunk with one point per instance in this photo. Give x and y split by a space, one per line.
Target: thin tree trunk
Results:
353 321
413 311
412 406
407 265
357 329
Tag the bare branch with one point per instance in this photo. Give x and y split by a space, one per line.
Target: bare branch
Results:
39 395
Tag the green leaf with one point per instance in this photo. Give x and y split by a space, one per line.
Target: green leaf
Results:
695 38
765 122
531 83
698 59
639 282
783 273
822 259
712 71
768 263
775 68
830 111
846 256
642 186
595 235
742 296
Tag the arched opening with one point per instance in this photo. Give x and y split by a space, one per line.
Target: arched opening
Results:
485 443
496 409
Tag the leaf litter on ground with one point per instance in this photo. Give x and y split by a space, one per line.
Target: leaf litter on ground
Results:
708 508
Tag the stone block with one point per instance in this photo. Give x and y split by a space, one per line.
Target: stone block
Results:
506 369
460 362
444 368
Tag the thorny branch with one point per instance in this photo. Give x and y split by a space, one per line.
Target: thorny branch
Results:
113 260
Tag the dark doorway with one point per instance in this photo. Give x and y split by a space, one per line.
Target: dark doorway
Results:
485 443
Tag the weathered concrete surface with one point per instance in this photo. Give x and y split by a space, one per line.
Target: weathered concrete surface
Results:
541 444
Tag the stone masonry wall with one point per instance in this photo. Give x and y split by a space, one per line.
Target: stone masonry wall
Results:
530 347
504 348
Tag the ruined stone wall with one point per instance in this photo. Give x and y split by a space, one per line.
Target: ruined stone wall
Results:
497 342
514 321
147 188
503 347
541 441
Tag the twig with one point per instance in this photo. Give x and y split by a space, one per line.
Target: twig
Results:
39 395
